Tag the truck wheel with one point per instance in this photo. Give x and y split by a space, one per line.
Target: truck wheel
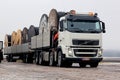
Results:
37 58
51 59
60 59
7 58
94 65
10 58
27 58
24 58
41 59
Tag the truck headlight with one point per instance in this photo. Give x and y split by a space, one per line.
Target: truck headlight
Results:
70 53
100 52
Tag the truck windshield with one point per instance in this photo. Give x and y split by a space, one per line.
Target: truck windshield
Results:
84 26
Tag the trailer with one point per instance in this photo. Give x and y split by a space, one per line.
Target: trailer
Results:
18 45
63 38
22 52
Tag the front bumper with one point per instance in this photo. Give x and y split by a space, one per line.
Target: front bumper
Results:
78 60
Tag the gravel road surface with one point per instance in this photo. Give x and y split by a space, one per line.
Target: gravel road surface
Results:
22 71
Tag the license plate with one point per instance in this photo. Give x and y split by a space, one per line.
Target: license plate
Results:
86 59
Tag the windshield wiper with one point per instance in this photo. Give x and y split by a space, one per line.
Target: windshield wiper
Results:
78 30
93 31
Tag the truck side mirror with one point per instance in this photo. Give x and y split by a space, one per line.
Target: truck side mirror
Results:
61 25
103 27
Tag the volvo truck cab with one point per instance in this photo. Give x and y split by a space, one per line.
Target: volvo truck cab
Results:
80 39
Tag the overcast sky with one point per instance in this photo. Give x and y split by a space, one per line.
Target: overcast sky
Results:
17 14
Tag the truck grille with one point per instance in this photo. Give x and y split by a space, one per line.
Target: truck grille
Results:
85 42
85 52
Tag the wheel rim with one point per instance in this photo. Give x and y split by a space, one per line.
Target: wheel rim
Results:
26 58
51 59
40 59
59 59
36 59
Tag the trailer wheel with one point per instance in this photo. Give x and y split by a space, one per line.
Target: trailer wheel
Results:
27 58
24 58
9 58
37 58
51 59
60 62
41 58
94 64
30 58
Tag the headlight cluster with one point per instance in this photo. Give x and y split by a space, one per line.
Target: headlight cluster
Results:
100 51
70 52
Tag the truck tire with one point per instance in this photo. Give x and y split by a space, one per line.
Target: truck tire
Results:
1 55
94 64
37 58
24 58
9 58
51 59
30 58
60 62
27 58
41 59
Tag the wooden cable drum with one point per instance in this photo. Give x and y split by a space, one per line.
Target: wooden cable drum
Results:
25 35
43 26
13 38
7 41
32 32
53 19
18 39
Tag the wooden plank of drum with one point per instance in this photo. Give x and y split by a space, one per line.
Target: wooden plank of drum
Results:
25 35
13 38
53 19
19 37
43 26
32 32
7 40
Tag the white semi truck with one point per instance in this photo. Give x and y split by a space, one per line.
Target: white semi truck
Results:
67 38
64 38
